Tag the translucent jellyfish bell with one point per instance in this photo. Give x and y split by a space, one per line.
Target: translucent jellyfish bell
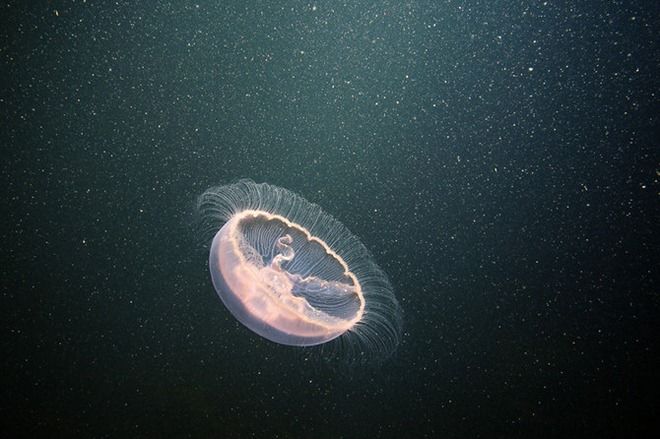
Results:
293 274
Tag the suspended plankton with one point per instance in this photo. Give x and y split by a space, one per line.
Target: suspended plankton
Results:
295 275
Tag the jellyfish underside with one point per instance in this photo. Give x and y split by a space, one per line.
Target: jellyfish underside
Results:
281 282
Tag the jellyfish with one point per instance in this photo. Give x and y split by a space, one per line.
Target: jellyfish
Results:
295 275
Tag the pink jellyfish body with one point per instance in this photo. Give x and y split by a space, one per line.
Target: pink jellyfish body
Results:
295 275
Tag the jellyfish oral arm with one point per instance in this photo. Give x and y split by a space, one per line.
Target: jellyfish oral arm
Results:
286 251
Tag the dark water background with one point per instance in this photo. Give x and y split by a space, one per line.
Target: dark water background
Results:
497 157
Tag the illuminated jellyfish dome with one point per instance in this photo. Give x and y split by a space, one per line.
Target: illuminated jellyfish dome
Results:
295 275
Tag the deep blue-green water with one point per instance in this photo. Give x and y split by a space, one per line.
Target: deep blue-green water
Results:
498 158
